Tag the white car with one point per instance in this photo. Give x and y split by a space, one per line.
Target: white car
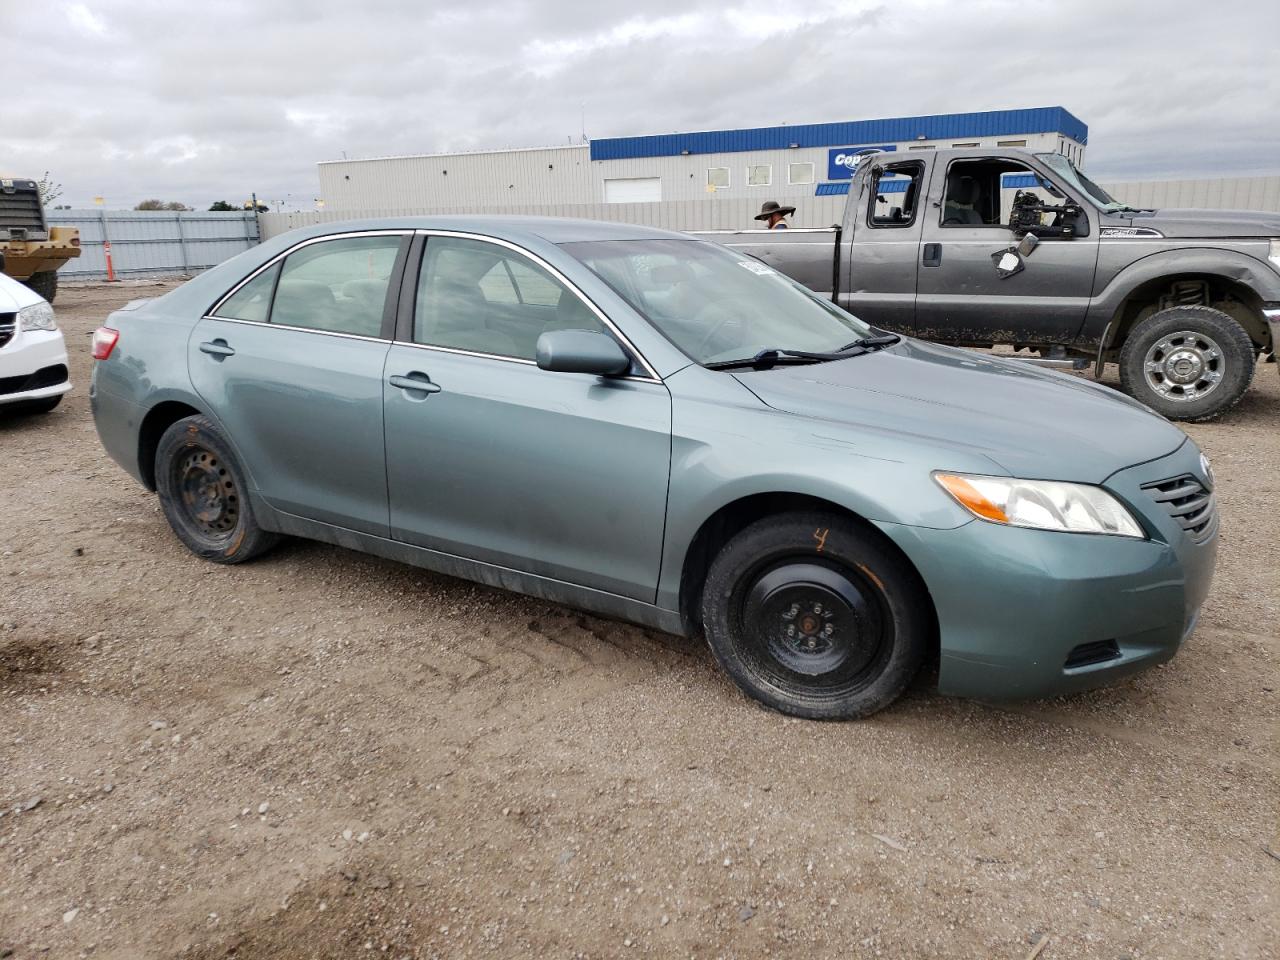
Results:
33 355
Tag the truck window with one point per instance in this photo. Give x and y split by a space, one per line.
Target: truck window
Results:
981 193
894 193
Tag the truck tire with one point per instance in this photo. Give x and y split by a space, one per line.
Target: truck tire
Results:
1187 363
44 283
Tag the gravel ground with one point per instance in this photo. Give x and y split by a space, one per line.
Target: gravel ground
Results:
322 754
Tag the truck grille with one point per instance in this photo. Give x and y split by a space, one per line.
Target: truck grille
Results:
1189 503
8 327
20 212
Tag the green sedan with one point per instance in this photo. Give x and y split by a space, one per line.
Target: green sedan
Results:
655 428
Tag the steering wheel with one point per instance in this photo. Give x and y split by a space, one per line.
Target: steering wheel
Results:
731 315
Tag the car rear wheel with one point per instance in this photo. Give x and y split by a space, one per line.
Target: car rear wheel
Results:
203 494
815 616
1187 363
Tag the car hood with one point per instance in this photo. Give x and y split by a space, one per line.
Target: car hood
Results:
14 295
1033 422
1204 223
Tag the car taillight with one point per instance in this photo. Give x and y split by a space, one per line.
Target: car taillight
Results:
104 341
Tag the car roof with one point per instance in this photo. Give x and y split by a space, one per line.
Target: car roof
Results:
502 226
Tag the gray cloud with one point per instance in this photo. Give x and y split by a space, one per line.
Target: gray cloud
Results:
197 102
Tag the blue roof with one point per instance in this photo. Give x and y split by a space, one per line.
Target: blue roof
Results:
947 126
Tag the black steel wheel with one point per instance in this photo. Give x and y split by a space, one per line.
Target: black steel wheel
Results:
203 494
816 616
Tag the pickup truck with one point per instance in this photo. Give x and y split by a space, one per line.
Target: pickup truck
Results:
983 247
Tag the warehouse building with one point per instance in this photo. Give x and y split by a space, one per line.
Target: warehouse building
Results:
782 163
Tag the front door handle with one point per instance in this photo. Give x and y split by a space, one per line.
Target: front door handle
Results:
414 380
932 255
218 349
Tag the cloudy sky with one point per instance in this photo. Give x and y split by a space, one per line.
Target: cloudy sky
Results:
129 99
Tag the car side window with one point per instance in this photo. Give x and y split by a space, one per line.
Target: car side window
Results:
339 286
253 300
895 195
485 298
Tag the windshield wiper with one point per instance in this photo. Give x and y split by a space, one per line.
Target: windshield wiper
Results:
771 356
871 343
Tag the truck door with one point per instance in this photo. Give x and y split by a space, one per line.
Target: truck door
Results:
882 242
962 296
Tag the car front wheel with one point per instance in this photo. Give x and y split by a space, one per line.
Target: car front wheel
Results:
203 494
815 616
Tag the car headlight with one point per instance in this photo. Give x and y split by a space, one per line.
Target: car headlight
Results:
1041 504
38 316
1274 253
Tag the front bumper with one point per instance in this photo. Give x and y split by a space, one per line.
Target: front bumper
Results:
33 366
1019 611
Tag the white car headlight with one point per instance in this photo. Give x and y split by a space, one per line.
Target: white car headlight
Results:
38 316
1042 504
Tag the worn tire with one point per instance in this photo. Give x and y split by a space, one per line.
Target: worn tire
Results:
44 283
204 494
849 659
1234 366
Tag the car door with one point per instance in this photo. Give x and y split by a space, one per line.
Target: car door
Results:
561 475
291 364
881 244
962 296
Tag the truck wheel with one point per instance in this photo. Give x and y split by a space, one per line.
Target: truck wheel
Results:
44 283
204 495
815 617
1187 363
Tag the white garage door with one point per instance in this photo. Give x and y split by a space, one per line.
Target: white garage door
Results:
633 190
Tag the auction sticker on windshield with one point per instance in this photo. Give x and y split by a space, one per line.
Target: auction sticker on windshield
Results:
758 268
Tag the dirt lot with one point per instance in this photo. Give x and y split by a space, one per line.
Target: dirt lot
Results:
322 754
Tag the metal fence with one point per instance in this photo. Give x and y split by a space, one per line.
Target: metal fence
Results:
160 243
1243 193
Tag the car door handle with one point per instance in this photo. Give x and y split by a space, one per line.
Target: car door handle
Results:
932 255
218 349
414 381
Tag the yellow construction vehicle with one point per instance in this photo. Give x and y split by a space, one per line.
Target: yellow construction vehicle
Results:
31 250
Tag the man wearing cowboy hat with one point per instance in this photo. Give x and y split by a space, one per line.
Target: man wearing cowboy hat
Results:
774 213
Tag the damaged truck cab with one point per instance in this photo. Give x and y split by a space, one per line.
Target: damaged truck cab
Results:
983 247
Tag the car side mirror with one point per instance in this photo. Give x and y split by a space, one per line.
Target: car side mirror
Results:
581 351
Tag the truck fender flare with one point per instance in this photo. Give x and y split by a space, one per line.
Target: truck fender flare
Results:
1213 261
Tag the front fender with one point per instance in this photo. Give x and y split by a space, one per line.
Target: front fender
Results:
1207 260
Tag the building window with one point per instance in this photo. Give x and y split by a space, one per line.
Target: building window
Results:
975 143
1011 143
928 146
759 175
799 173
717 178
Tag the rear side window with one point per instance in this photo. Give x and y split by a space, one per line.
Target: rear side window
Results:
895 195
339 286
253 300
484 298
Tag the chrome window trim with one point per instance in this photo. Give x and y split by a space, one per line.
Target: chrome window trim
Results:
285 326
212 312
555 272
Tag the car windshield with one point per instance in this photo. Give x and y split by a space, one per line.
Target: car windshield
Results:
1068 171
716 304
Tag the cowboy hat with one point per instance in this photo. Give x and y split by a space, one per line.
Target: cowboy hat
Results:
771 207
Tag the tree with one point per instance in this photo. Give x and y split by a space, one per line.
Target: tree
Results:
161 205
49 191
221 206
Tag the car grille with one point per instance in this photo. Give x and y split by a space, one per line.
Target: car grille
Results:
1189 503
8 327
